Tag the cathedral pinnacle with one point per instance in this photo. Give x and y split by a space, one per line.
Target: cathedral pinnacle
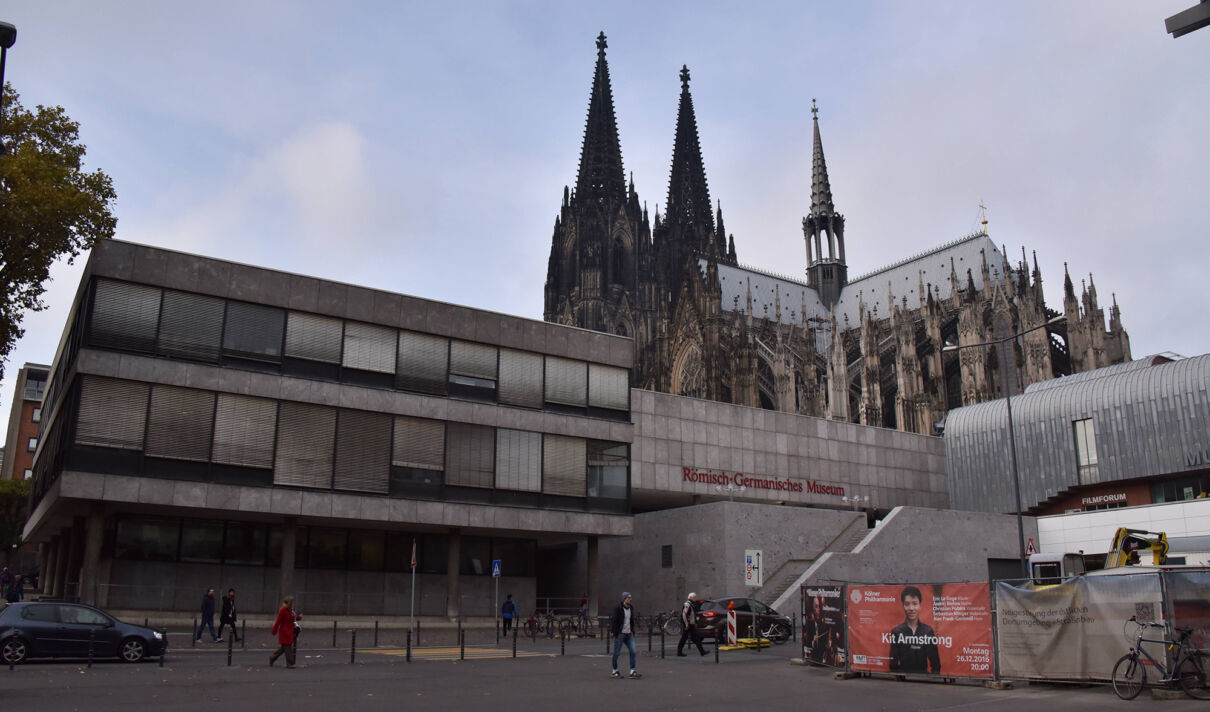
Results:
601 176
688 194
821 189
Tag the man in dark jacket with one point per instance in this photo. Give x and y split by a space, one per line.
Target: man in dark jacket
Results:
623 624
207 616
508 611
227 617
689 626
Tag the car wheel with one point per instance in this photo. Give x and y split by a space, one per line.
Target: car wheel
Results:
132 650
14 650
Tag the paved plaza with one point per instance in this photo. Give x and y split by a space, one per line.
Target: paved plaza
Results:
544 676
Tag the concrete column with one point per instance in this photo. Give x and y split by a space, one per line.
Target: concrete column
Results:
71 565
453 596
43 554
594 593
94 534
50 572
289 543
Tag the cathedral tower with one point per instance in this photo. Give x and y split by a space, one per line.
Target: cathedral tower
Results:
823 228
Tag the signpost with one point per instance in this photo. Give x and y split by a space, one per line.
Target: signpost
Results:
753 573
496 601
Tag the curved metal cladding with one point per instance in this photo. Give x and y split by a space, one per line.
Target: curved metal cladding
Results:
1147 420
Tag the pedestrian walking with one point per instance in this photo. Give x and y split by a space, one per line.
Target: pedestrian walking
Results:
207 617
508 611
622 626
284 629
689 626
16 589
227 616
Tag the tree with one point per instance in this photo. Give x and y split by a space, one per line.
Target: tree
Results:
14 508
49 207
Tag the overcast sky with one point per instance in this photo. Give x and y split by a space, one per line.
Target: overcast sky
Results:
423 147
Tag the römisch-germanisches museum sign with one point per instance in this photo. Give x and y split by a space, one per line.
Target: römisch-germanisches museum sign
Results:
739 479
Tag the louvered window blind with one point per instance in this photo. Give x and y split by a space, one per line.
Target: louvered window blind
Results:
317 338
566 381
191 326
254 331
180 423
518 460
422 362
419 443
363 451
113 413
369 348
305 437
563 465
469 455
608 387
474 360
124 316
520 378
244 430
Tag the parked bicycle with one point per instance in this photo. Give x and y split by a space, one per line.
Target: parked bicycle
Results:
670 622
1190 667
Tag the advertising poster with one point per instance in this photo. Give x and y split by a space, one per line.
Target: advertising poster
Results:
921 629
823 625
1073 631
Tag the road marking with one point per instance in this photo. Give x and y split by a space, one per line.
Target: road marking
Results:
454 653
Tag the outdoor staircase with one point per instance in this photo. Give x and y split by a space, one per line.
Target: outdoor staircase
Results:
785 575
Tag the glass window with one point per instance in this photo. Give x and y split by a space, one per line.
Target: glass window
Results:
191 326
124 316
366 550
469 455
327 548
518 460
363 451
608 469
41 612
32 445
79 615
146 539
254 331
476 556
399 550
244 429
180 424
36 416
419 449
520 378
202 542
245 544
35 388
566 381
369 348
305 436
1086 450
28 473
112 413
434 553
608 387
317 338
563 466
517 556
422 362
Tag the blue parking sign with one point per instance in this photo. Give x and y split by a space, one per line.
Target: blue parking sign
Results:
495 568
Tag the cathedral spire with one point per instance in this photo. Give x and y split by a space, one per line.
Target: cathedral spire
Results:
821 189
688 194
601 177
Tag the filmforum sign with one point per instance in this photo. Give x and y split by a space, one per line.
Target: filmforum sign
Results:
739 479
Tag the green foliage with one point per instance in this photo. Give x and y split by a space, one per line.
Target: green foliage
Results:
49 207
14 509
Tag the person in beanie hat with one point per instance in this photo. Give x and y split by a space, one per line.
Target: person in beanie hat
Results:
622 625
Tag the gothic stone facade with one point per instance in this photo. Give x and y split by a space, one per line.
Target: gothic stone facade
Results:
867 350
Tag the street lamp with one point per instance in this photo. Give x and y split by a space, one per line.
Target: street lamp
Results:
1001 326
8 35
730 489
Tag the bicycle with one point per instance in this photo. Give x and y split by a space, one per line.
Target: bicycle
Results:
776 631
670 622
1189 670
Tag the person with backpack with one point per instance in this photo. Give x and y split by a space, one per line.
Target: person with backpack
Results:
508 611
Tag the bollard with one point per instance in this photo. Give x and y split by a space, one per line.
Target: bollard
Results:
92 637
333 634
756 625
563 643
145 623
716 644
417 634
164 647
461 641
375 633
243 635
514 642
497 631
460 628
794 626
230 644
649 634
409 657
193 635
661 642
606 639
353 648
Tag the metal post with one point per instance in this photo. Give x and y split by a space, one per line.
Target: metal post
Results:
716 637
461 641
353 648
650 633
756 625
230 645
1012 446
514 642
417 634
375 633
92 637
164 647
563 643
661 642
794 626
409 656
608 632
333 634
243 635
193 634
460 627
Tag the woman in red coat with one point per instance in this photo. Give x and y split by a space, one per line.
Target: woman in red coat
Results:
283 628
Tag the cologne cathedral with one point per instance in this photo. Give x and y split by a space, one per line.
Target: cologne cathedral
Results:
895 348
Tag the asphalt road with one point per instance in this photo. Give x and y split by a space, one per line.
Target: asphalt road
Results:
539 679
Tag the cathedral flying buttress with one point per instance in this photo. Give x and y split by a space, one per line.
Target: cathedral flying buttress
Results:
869 349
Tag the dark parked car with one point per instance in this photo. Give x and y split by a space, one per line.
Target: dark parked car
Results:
712 619
47 629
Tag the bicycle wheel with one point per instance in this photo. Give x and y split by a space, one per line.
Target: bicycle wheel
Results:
1129 676
1192 671
674 627
778 633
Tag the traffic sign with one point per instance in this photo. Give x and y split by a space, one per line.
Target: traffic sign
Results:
1030 549
495 568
